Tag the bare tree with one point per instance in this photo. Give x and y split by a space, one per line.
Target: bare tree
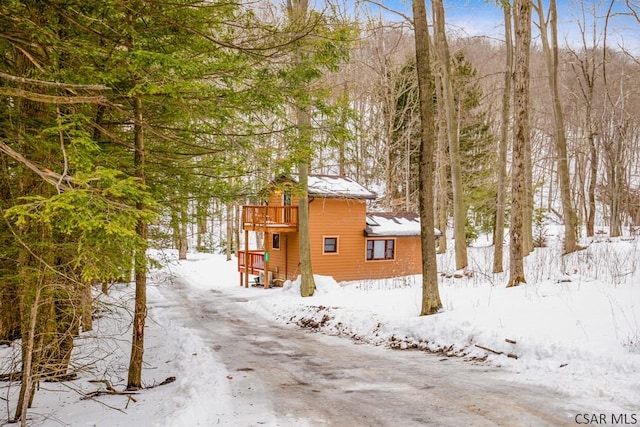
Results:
550 49
444 62
430 295
442 175
585 65
498 236
521 138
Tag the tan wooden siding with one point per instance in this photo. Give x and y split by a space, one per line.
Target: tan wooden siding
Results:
293 257
275 199
344 219
283 263
408 260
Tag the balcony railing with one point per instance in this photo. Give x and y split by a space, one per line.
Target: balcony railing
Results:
255 265
265 218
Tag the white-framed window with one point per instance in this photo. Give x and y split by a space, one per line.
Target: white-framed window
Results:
330 245
381 249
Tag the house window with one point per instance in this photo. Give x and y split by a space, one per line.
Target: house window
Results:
380 249
286 198
330 245
275 241
286 201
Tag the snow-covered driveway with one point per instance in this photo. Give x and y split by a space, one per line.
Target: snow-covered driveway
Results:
287 376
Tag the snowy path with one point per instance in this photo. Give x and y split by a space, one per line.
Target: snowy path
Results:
287 376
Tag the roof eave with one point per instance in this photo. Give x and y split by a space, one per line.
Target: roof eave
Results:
342 196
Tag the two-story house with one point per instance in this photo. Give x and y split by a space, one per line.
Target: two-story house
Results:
346 242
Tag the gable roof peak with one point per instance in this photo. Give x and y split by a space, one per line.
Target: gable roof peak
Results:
333 186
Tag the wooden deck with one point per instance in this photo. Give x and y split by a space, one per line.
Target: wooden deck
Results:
255 266
272 219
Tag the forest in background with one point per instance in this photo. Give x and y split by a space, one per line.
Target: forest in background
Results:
130 124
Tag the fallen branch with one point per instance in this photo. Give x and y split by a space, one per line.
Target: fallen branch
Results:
511 355
488 349
168 380
109 392
113 392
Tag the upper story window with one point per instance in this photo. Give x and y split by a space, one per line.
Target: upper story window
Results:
330 245
286 198
379 249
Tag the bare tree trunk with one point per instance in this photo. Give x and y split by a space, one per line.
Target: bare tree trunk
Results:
237 227
593 181
87 307
550 48
134 380
307 285
498 235
297 10
183 226
390 118
521 135
229 246
202 214
442 212
459 209
430 294
617 184
27 385
175 227
441 178
527 216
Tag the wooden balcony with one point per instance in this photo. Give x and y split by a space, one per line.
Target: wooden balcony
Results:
273 219
255 265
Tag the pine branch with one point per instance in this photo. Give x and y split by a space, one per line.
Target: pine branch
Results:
25 80
52 99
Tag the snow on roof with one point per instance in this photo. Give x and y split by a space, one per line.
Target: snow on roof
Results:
337 187
394 224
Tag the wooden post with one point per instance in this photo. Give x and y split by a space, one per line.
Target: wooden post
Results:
246 258
267 246
286 256
238 252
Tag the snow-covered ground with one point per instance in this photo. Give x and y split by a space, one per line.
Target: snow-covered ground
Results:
574 327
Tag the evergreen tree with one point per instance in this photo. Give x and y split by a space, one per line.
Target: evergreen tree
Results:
477 143
84 86
477 148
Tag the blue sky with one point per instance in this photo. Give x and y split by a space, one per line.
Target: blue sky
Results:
479 17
